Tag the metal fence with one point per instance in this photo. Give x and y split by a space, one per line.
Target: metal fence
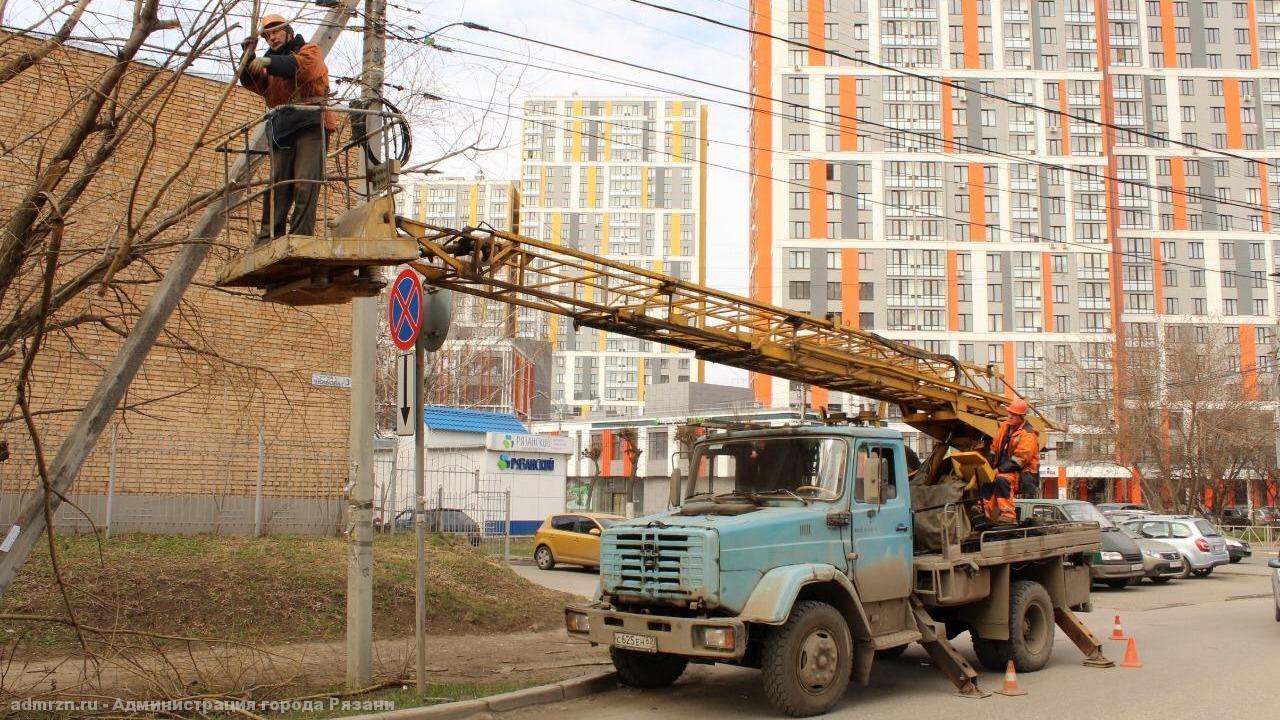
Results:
1268 535
249 484
459 499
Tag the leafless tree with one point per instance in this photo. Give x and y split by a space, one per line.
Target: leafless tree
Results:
1176 410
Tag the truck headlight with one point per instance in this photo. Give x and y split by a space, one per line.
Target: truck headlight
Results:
1109 556
576 622
717 638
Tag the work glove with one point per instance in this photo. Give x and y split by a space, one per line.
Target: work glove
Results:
260 64
249 43
1008 466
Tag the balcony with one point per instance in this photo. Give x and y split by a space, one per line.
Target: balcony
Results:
1122 15
1079 17
1082 45
1085 129
911 96
1142 286
917 301
909 40
1017 43
1092 273
914 124
1090 215
1124 41
1089 100
916 270
1094 303
1027 303
892 13
1026 272
1269 43
1023 184
1022 126
1015 15
1120 93
1028 213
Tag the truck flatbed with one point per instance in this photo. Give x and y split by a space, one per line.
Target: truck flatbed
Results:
997 547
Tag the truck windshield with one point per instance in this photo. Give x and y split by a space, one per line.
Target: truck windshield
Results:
812 468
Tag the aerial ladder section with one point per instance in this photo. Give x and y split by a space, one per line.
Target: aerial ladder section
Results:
955 403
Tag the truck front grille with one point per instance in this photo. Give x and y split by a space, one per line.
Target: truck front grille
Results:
669 564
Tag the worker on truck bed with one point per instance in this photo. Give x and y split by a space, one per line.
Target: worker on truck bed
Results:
1015 455
291 72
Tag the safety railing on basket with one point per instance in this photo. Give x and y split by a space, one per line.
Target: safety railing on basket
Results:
301 186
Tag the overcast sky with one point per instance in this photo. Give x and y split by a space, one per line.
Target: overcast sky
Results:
616 29
482 95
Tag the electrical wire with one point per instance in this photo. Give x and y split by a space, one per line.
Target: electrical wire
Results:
951 84
1100 248
932 139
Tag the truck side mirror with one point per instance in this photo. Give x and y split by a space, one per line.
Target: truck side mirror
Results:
679 463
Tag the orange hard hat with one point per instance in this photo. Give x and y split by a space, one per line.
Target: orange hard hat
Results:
1018 406
271 22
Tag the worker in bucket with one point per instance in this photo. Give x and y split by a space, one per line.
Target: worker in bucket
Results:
291 74
1015 455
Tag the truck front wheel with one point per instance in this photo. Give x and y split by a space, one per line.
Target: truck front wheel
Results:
1030 642
808 660
647 670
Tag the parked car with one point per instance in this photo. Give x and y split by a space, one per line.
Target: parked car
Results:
1160 560
1201 544
1274 564
1118 563
1237 549
1119 516
1269 515
1234 515
1105 508
572 538
447 521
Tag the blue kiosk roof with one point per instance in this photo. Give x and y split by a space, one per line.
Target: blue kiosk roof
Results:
439 417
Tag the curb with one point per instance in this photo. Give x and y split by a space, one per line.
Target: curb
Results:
540 695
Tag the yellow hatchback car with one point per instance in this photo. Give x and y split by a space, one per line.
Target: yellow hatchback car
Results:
571 538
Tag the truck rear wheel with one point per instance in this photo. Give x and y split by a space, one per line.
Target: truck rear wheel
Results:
808 660
1030 642
647 670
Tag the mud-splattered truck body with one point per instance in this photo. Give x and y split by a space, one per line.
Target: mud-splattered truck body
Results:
792 550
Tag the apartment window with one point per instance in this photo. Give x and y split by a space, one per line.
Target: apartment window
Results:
834 291
798 289
798 260
1195 250
866 291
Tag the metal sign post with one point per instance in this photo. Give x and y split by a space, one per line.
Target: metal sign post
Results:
419 513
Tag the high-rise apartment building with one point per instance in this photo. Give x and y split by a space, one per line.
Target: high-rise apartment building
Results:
623 177
482 364
1010 188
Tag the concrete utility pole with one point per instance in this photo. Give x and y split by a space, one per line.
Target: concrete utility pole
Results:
84 434
364 358
420 516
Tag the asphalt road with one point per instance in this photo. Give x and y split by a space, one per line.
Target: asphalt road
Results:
1210 648
565 578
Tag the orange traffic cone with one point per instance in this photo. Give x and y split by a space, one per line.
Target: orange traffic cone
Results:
1131 656
1011 682
1117 633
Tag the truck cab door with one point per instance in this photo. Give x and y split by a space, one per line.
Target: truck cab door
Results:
881 522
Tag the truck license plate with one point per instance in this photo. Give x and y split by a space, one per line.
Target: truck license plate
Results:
1136 567
636 642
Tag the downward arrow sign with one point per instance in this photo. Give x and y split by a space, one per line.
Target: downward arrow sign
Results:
405 395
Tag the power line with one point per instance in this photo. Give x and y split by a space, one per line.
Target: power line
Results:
1037 238
1081 170
950 83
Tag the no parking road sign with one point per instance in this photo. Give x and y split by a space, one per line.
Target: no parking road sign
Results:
405 309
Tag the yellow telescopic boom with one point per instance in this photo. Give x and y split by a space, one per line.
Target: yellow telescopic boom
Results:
951 401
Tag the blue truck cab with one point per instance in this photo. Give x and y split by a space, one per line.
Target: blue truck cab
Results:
791 550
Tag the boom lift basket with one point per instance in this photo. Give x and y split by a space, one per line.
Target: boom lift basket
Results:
354 236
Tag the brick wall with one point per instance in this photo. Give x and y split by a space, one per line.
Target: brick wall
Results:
194 427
